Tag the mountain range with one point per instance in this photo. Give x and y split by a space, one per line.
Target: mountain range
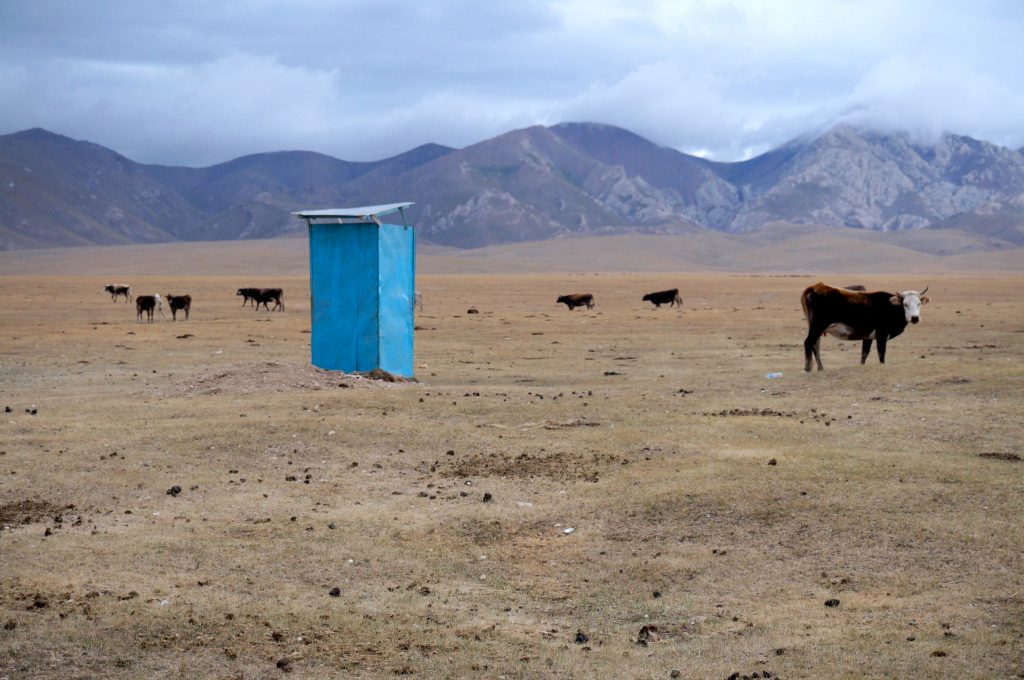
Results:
531 184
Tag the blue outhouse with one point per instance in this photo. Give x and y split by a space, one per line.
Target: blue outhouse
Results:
362 275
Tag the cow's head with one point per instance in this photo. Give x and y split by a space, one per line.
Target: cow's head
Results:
239 292
911 301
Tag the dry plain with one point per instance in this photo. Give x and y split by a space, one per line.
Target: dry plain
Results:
717 507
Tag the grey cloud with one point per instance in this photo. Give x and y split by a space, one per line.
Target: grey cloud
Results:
194 83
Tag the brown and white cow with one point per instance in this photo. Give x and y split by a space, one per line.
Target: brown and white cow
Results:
852 315
176 302
117 290
574 300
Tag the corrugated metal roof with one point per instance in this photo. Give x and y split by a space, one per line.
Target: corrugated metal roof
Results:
367 213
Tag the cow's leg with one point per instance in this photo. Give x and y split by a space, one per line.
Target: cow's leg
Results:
186 313
865 350
812 347
881 348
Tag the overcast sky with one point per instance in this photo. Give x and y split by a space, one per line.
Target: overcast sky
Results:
187 82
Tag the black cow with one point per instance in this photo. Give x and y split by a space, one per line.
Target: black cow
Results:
248 295
261 296
852 315
265 295
144 303
668 297
857 286
176 302
116 290
574 300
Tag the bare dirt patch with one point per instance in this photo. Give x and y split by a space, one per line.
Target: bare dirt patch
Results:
248 378
26 512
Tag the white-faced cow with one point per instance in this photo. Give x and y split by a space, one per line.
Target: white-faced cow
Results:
852 315
668 297
574 300
117 290
176 302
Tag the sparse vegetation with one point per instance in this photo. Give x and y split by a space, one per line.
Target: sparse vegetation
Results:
346 527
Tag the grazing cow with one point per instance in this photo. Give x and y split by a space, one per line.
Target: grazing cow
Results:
176 302
662 297
853 315
248 294
116 290
575 300
144 303
159 304
265 295
857 286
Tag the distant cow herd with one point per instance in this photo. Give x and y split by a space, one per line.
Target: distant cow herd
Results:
147 305
848 313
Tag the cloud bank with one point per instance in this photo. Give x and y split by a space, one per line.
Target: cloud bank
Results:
189 83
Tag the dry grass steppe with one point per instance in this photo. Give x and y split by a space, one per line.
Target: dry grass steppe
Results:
719 508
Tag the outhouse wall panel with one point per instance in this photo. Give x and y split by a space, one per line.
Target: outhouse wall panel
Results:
343 263
362 283
397 288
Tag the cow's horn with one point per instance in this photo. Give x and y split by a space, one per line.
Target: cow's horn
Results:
925 290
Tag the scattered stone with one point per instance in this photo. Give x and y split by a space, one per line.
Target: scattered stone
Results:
472 310
657 594
833 602
674 673
7 409
381 374
582 638
276 636
334 592
285 664
47 532
174 490
332 525
773 462
938 652
11 624
487 497
647 635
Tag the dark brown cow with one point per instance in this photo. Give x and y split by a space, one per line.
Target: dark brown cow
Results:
248 295
853 315
144 303
265 295
176 302
858 287
574 300
668 297
116 290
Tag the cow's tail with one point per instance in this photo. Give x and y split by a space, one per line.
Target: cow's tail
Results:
805 303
